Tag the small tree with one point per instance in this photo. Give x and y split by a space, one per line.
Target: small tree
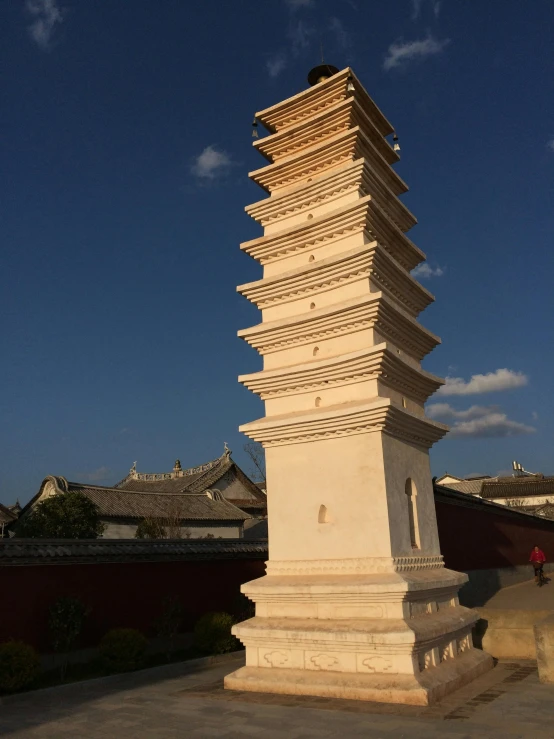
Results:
66 620
150 528
65 516
169 623
256 454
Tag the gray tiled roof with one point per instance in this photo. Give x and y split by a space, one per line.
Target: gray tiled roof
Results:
62 551
517 487
471 487
114 502
197 482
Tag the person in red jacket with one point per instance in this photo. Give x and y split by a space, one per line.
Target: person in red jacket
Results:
537 559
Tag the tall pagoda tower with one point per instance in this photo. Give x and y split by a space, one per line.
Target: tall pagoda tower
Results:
356 602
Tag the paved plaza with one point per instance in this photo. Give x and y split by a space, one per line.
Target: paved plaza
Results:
185 701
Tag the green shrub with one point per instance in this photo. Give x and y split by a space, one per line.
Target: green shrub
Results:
19 665
66 620
150 528
122 649
212 633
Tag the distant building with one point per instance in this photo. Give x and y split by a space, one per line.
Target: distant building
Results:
532 493
7 517
216 500
221 474
470 485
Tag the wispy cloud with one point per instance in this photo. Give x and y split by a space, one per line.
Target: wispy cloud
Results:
401 53
417 5
47 15
299 36
535 416
102 473
342 36
478 421
425 271
446 411
492 382
276 63
211 163
550 144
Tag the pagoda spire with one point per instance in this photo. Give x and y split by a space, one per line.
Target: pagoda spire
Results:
356 601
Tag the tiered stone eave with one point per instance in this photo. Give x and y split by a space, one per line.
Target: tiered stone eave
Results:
348 113
333 151
347 419
363 215
309 102
354 176
368 262
378 362
375 310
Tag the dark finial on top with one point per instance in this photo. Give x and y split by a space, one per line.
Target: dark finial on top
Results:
320 73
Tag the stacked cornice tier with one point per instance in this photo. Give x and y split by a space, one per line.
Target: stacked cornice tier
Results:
356 588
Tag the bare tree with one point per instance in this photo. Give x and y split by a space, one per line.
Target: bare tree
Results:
256 454
173 523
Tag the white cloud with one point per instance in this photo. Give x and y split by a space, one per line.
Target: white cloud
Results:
297 4
478 421
535 416
342 36
47 15
494 425
500 379
276 63
550 144
400 53
445 410
211 163
425 272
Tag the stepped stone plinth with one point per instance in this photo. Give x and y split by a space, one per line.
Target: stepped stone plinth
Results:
356 602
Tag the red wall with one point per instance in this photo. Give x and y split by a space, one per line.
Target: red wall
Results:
131 594
485 538
119 594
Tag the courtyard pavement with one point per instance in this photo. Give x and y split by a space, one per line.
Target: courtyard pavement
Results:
525 596
184 701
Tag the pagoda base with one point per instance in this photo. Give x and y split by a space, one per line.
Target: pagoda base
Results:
419 690
389 636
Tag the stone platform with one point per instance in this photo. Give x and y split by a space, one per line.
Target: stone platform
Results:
507 702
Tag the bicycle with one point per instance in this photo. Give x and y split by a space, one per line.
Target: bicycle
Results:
541 579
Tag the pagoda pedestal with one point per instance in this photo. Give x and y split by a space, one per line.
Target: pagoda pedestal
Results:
356 602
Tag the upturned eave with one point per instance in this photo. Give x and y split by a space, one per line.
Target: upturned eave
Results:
361 215
377 362
349 144
305 103
346 419
353 175
347 113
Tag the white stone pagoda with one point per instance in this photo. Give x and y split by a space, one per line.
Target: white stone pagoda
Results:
356 602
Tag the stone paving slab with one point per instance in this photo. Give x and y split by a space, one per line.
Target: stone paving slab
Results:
179 701
525 596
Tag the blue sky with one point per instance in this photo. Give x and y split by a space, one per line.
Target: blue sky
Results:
124 152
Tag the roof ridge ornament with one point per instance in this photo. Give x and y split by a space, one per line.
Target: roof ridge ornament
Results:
226 450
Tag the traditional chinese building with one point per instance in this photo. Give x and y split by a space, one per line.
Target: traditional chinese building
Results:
213 500
356 602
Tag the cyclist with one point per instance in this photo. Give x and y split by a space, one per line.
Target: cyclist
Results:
537 559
